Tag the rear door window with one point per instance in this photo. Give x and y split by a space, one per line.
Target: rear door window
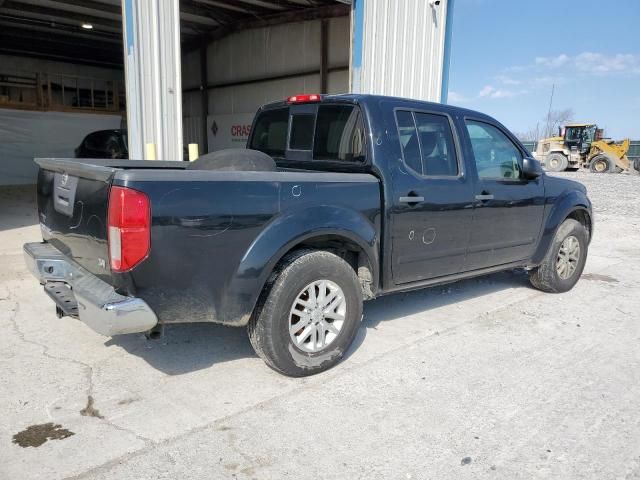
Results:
409 141
427 143
436 145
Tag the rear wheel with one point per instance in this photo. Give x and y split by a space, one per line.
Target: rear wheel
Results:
556 162
564 262
602 164
308 315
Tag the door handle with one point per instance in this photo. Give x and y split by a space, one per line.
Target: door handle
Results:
411 199
484 196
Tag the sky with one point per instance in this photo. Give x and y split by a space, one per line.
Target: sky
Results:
507 54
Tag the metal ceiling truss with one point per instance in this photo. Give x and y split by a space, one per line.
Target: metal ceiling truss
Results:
53 28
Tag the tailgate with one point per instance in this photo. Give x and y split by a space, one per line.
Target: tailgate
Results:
72 208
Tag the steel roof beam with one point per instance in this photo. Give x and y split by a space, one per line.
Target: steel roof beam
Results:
88 7
12 27
329 11
23 10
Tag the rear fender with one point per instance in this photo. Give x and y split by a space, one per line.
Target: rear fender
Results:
563 207
282 235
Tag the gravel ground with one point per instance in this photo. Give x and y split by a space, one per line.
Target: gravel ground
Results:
486 378
617 195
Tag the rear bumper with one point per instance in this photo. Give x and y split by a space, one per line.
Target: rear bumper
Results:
99 305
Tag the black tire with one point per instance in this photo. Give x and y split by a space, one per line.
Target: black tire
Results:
269 326
556 162
545 277
602 164
235 160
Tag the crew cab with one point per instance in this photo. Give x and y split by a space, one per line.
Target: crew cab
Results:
336 200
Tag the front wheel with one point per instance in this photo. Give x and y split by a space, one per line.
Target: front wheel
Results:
308 315
563 264
602 164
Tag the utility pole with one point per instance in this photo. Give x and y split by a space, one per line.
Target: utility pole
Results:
553 86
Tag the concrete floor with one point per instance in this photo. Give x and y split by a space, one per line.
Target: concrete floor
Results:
481 379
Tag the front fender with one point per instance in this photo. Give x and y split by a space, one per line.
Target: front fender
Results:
280 236
561 208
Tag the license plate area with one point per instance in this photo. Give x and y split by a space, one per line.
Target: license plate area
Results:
64 193
63 296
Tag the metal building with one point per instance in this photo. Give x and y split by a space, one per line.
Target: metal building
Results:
195 71
388 47
402 48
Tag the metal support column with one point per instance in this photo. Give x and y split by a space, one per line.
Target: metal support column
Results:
204 98
324 54
153 78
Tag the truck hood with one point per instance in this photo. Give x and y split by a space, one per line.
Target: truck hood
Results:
555 186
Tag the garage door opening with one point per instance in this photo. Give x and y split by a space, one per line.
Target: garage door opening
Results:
62 72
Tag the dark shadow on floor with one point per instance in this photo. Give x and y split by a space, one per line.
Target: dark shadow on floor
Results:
190 347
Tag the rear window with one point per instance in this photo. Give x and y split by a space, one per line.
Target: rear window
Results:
330 133
270 132
301 137
339 134
98 140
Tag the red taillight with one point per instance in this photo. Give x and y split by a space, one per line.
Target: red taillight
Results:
307 98
129 228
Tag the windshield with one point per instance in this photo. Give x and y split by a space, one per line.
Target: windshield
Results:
582 135
574 134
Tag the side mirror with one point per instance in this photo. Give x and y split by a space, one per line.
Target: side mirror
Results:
531 168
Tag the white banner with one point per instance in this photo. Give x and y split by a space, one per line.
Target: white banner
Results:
229 130
25 135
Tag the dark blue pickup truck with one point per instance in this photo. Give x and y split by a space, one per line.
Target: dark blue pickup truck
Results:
338 199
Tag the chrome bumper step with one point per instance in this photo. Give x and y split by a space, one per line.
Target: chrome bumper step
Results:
79 293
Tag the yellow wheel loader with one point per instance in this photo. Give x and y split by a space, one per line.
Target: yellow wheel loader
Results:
581 145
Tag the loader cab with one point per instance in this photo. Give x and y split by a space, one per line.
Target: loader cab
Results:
580 136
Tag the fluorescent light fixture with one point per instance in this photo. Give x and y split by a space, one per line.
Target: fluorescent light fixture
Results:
87 26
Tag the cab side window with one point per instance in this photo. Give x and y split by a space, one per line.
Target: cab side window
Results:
496 156
436 145
409 141
427 143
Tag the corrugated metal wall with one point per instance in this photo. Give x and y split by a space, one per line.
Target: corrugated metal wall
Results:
273 51
402 52
261 65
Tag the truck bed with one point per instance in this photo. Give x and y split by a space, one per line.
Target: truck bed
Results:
210 229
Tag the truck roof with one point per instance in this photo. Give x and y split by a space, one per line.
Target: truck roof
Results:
361 98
